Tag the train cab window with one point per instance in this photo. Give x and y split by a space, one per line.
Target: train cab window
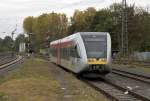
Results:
76 52
95 45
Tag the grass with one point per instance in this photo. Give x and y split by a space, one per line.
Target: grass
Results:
137 65
31 82
144 68
147 69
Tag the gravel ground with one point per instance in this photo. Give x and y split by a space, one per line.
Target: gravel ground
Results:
73 89
136 86
40 80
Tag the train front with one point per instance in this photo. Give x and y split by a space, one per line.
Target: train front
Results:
98 50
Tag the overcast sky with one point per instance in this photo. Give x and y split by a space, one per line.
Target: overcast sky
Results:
13 12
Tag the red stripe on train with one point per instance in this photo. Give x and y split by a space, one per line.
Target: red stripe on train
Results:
62 44
59 46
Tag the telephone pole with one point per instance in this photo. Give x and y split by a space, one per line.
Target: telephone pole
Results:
124 34
12 35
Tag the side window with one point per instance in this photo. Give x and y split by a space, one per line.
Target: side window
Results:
63 53
72 51
67 53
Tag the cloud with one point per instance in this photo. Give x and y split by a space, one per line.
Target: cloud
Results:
13 12
71 1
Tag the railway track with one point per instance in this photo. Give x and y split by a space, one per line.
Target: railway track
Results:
119 87
6 57
138 85
113 93
123 86
137 63
116 91
139 77
10 62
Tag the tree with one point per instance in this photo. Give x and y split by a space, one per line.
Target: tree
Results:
20 39
7 44
82 20
27 24
56 26
1 45
53 25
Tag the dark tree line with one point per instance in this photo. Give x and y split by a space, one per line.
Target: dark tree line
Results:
56 26
8 45
39 28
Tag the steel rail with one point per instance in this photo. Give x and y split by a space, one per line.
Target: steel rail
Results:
132 76
112 92
11 62
119 86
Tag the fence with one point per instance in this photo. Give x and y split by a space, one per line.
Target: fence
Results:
142 56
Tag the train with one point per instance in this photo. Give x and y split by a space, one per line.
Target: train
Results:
83 53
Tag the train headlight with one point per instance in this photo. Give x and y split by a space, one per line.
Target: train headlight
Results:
91 60
102 60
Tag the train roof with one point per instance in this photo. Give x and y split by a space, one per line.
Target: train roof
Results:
90 33
73 36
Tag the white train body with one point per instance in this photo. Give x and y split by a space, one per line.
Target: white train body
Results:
83 52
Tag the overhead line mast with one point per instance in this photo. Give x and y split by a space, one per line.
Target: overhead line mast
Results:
124 35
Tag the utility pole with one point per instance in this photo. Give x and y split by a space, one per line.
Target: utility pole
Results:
124 34
12 36
13 32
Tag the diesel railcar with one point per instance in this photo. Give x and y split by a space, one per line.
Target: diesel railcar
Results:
83 52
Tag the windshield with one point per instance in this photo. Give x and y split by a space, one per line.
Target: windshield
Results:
95 45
